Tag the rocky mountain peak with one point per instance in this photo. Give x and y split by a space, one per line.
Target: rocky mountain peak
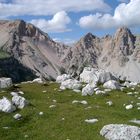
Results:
124 40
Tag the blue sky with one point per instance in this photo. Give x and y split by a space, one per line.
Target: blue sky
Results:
68 21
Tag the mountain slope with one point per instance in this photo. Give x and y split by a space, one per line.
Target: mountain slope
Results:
119 54
32 48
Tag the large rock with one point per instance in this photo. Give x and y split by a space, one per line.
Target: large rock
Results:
88 90
111 84
5 82
62 78
71 84
19 101
89 75
120 132
6 105
92 75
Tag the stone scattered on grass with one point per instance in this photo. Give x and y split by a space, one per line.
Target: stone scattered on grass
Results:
88 90
44 91
129 93
21 92
98 92
19 101
14 93
91 120
135 121
111 84
41 113
129 107
120 132
110 103
17 116
6 105
6 127
54 101
77 90
81 102
89 107
38 80
52 106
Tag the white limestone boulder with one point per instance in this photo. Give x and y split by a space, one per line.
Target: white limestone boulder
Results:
106 76
111 84
120 132
6 105
19 101
17 116
37 80
5 82
93 75
62 78
87 90
91 120
71 84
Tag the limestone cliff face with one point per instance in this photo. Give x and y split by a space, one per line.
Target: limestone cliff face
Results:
36 51
32 48
119 54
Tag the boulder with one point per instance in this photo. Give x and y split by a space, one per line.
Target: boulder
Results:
19 101
62 78
92 75
111 84
91 120
6 105
38 80
89 75
5 82
71 84
106 76
87 90
120 132
129 107
17 116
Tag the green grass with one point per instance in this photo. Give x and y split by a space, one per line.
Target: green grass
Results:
3 54
50 126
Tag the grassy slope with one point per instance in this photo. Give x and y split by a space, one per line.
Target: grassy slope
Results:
50 126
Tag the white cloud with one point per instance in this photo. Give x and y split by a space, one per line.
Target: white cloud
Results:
58 23
124 1
49 7
66 41
124 15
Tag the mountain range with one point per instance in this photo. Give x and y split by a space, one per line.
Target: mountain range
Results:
37 55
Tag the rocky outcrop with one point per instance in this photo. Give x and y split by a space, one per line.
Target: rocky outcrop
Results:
5 82
32 48
118 54
120 132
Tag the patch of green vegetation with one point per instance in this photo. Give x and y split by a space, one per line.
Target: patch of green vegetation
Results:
3 54
50 126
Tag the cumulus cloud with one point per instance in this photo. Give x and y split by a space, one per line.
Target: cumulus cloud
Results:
124 15
58 23
49 7
124 1
66 41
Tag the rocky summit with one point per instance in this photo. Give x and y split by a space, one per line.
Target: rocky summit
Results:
32 48
118 54
35 54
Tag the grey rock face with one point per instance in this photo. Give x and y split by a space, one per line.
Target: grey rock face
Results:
120 132
5 82
32 48
118 54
